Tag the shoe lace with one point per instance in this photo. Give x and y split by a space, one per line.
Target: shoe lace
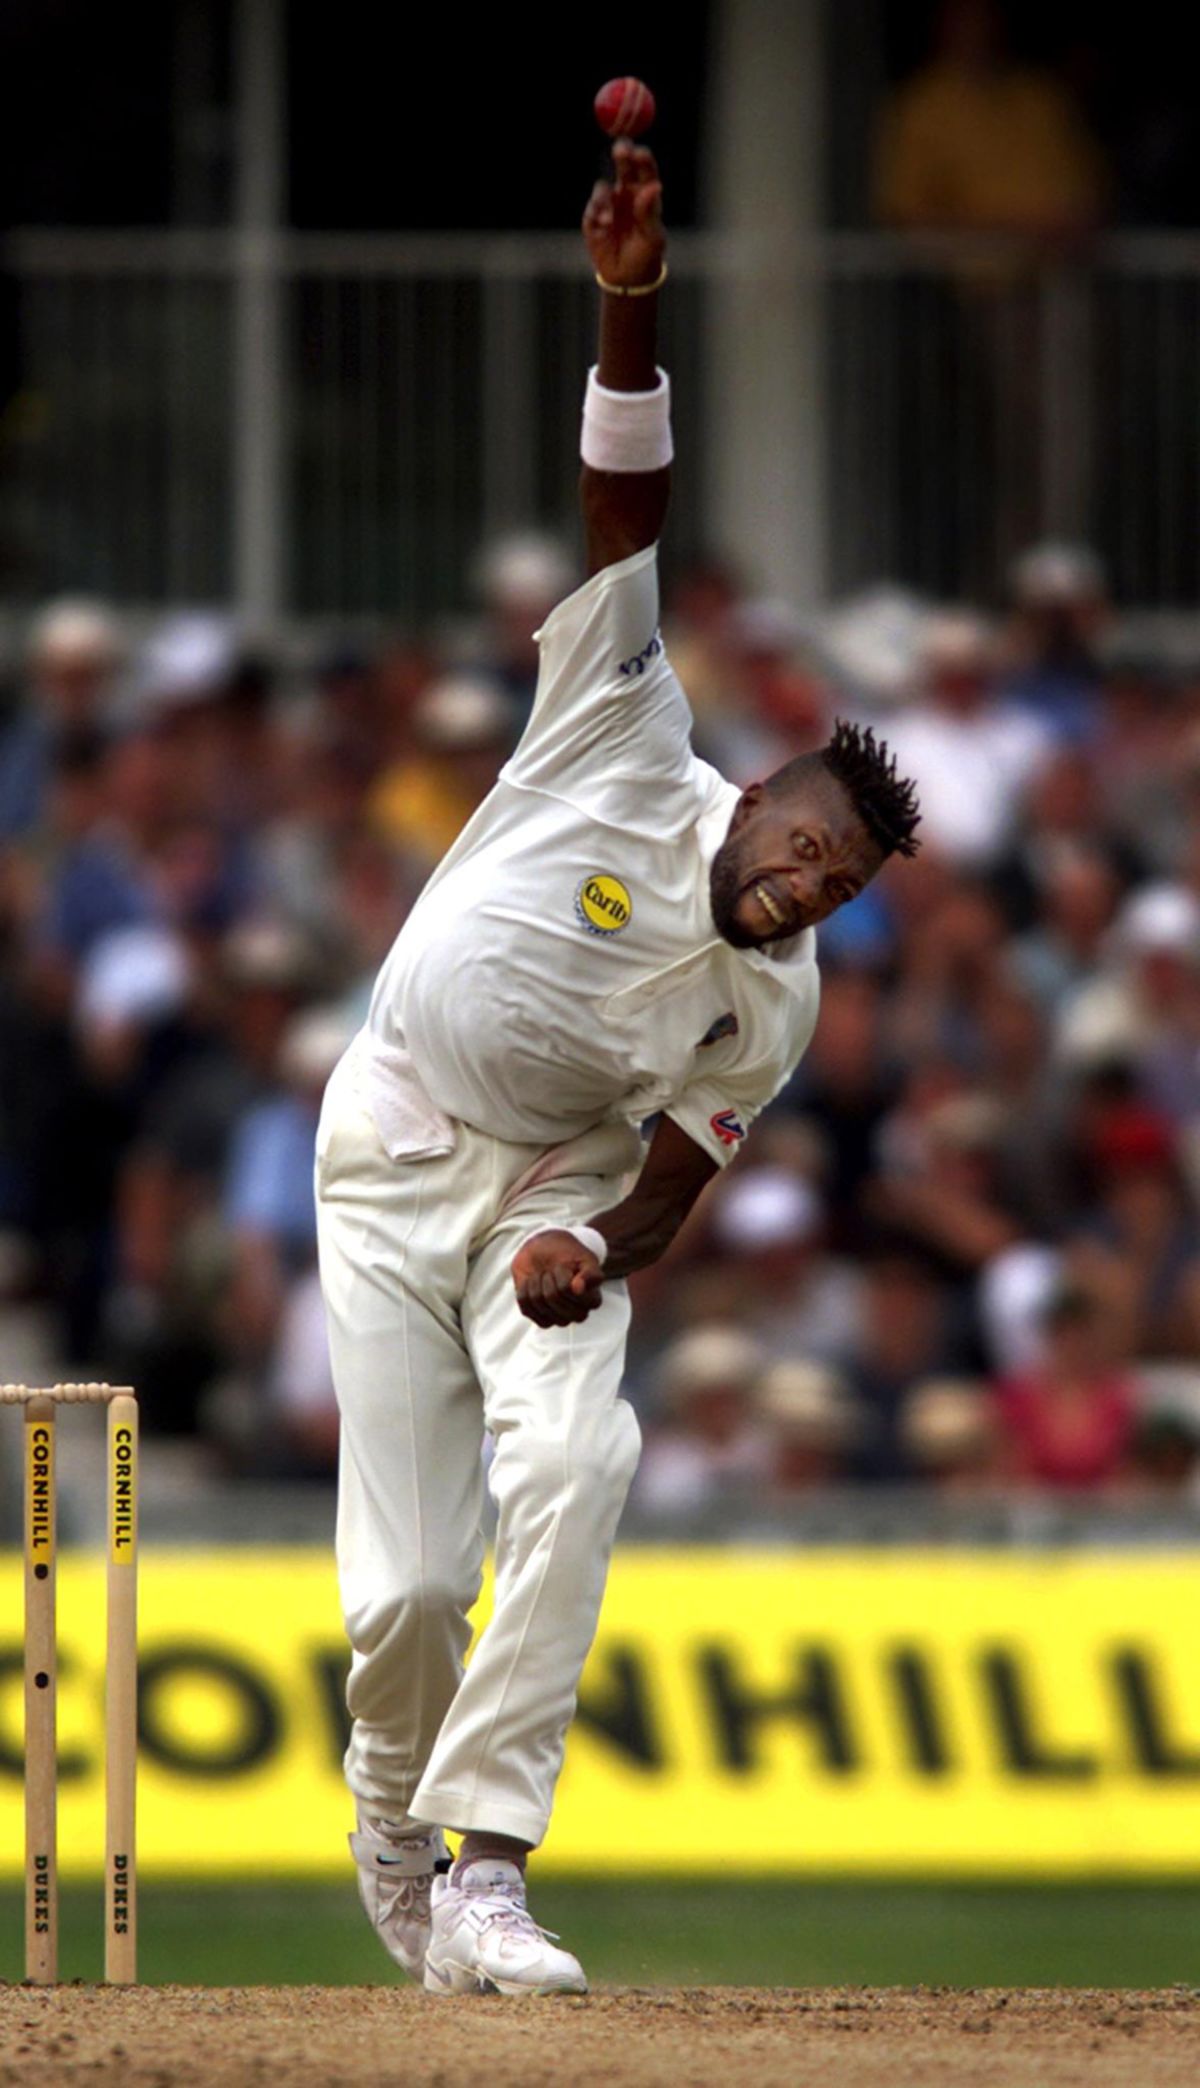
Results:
412 1896
506 1911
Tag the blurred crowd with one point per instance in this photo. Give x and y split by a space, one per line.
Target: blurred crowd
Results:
962 1250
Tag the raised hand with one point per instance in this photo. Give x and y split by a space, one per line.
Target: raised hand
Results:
623 221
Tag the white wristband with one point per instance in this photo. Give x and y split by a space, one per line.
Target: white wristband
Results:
586 1235
627 431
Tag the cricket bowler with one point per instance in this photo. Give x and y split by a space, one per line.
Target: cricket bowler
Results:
620 942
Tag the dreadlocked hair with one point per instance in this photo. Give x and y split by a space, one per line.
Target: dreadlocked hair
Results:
885 802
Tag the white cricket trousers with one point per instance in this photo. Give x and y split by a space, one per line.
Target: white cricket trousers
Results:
429 1348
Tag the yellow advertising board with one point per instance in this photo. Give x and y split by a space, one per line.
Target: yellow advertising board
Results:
937 1713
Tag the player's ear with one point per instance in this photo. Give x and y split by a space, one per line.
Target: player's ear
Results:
749 801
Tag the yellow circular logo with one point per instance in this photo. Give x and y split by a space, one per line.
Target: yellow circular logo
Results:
603 904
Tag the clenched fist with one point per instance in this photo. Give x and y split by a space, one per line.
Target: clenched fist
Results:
557 1280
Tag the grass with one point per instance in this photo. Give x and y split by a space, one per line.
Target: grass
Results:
666 1933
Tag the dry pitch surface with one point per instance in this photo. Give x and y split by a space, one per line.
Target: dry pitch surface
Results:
729 2037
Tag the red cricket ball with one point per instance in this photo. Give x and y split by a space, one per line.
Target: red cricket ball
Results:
624 108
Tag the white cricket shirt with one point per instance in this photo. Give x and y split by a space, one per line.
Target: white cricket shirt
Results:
561 968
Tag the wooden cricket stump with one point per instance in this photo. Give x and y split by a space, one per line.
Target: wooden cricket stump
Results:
41 1403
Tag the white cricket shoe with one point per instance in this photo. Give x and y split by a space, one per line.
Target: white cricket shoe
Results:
396 1871
485 1941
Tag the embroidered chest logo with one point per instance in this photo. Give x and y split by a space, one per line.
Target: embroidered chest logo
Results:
728 1126
602 904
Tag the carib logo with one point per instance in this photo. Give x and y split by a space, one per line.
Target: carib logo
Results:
602 904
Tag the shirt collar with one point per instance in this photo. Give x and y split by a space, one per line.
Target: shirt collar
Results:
790 961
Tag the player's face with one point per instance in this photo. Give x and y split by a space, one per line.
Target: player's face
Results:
788 863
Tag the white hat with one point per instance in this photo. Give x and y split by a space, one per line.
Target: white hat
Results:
708 1358
1100 1025
766 1207
136 974
1015 1286
189 658
947 1419
462 711
267 952
314 1041
74 628
954 639
872 641
809 1403
1057 573
1160 917
767 624
971 1122
524 567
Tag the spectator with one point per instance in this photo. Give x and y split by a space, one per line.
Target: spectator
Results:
772 1269
268 1194
197 687
135 979
1164 1455
1062 814
710 1441
1015 1287
353 696
977 142
302 1410
814 1423
1147 760
844 1087
462 731
55 1178
1062 949
171 1259
520 579
1164 1458
905 1333
370 891
100 828
949 1431
951 1201
406 668
73 651
1060 610
1141 1248
319 816
696 630
1144 1005
1015 1075
1068 1422
972 756
774 704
